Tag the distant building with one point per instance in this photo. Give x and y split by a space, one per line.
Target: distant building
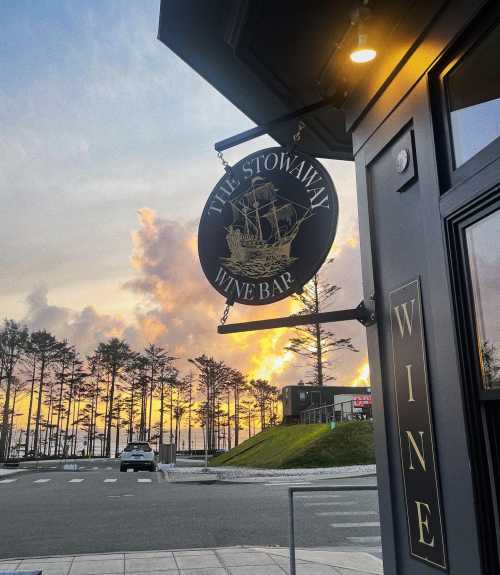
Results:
300 397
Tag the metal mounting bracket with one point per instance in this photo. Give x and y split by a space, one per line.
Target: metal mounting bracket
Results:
360 313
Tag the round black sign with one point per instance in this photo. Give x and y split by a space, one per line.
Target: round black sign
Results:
267 226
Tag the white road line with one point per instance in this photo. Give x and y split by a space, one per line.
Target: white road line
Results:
108 468
288 483
42 480
95 468
368 539
327 503
328 513
304 496
110 480
79 480
8 480
363 524
339 503
144 481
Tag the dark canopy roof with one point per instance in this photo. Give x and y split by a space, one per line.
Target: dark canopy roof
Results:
272 57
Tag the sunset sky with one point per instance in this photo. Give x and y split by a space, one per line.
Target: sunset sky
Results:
106 160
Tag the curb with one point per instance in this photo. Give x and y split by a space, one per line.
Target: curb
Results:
212 476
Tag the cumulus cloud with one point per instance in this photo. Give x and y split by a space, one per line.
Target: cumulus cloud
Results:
181 310
84 329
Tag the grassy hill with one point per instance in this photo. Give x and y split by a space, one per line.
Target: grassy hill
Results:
288 446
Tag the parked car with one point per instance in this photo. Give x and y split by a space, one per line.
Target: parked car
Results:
137 455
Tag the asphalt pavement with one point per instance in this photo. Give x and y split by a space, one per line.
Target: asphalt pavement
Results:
48 510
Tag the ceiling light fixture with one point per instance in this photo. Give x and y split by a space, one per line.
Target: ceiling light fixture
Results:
363 52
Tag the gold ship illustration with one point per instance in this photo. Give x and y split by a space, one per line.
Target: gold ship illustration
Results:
262 231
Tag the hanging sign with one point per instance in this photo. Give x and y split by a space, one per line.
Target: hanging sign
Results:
267 226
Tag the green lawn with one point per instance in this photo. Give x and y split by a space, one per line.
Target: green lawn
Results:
288 446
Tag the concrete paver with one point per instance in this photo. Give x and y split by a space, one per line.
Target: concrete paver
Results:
197 561
148 564
219 561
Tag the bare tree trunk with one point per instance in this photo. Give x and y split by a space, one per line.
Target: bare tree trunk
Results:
70 401
171 412
28 423
317 329
131 414
59 407
5 417
110 411
39 408
117 437
229 419
151 387
236 393
162 408
190 407
9 442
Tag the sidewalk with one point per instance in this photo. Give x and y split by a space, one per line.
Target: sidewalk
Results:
245 474
4 471
221 561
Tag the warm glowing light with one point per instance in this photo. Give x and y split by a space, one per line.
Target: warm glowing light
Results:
362 377
271 359
362 55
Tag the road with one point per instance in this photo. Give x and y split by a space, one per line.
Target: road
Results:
49 511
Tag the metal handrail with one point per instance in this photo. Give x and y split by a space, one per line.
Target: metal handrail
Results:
291 524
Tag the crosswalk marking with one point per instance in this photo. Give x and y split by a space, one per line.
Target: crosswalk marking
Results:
110 480
338 503
108 468
79 480
41 480
362 524
144 481
303 496
367 539
326 503
329 513
289 483
8 480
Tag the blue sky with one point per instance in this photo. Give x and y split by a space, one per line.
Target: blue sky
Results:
98 121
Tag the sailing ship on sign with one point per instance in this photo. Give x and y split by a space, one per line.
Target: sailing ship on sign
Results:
263 228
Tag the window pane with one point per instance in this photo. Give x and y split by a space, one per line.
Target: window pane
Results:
483 241
473 89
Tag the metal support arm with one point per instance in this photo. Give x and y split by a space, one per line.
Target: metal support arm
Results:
266 128
360 313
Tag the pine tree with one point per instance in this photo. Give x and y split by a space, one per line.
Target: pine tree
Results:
314 342
13 340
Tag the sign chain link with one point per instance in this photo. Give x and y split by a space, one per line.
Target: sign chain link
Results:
225 315
296 137
298 134
225 165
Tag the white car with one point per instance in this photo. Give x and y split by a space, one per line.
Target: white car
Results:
138 455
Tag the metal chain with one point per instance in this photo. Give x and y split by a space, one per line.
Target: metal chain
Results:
225 164
296 137
298 134
225 315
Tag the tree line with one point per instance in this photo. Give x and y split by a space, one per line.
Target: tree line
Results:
116 394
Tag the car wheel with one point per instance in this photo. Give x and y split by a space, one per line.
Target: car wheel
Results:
123 468
152 468
135 470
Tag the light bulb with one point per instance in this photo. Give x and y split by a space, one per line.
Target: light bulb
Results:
362 55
